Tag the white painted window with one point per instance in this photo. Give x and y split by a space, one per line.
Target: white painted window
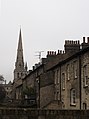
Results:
85 76
73 97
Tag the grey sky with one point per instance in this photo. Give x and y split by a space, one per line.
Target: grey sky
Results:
45 25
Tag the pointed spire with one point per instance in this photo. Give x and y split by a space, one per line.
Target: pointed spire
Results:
20 59
19 64
20 41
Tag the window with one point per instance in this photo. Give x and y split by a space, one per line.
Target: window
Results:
75 73
85 77
21 74
72 97
20 64
57 76
84 106
17 75
68 72
75 69
57 97
63 81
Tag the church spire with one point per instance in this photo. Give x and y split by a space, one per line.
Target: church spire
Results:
20 49
20 41
19 65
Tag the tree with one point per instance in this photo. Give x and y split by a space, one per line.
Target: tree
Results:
2 89
1 79
28 92
2 93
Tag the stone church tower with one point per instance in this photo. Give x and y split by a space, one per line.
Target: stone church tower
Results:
20 70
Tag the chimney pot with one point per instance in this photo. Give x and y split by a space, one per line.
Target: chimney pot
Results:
52 53
58 52
83 39
48 53
87 39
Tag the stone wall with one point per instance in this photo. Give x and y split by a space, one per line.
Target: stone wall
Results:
46 95
43 114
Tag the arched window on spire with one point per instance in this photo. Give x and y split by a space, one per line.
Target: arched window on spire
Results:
17 75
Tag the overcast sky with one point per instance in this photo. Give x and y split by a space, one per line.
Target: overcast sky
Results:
45 25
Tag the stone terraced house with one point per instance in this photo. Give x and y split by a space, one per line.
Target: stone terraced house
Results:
60 81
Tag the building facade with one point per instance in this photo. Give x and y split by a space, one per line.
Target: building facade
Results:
61 80
71 77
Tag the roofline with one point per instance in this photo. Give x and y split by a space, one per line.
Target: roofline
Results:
69 58
33 71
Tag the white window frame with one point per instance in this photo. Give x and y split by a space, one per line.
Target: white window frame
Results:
73 96
85 76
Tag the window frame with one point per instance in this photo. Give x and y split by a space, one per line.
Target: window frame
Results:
68 72
73 97
63 81
75 69
85 76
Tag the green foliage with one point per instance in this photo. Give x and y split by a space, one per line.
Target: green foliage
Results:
1 78
2 93
28 91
